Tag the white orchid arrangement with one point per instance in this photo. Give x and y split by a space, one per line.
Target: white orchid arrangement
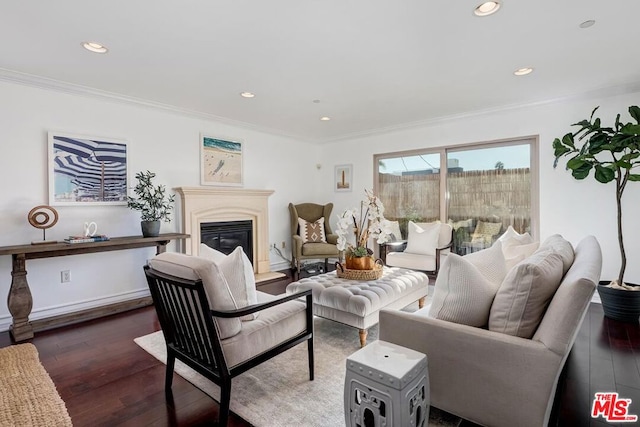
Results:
369 222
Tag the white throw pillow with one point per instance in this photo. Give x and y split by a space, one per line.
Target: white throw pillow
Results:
213 281
490 262
422 238
512 237
238 272
514 253
563 248
462 294
525 293
395 230
312 232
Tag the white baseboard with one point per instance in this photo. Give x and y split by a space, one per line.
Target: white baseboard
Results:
47 312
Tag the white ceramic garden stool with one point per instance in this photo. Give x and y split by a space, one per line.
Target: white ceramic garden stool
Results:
386 385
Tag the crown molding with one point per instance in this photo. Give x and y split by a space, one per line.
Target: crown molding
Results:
79 90
601 92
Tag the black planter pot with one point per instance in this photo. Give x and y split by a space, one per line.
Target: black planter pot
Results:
150 228
619 304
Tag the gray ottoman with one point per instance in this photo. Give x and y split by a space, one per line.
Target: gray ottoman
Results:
358 303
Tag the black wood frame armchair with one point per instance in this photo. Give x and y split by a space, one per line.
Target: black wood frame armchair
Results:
191 336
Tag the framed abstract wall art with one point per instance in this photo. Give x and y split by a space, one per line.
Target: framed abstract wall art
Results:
220 161
343 178
86 170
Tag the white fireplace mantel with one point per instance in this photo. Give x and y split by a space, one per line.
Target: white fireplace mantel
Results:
213 204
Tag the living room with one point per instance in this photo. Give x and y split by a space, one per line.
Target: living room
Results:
298 168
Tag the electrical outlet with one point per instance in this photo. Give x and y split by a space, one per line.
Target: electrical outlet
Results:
65 276
284 245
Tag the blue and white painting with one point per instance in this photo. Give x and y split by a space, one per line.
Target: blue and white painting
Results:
221 161
86 170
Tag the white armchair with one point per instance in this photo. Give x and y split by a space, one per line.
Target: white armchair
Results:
426 243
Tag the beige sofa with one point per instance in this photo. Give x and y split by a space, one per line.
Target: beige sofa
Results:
492 378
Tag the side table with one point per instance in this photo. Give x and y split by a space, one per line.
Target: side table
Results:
386 385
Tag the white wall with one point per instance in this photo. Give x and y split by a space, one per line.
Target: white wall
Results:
167 143
569 207
163 142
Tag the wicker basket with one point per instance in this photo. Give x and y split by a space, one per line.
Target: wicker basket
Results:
350 274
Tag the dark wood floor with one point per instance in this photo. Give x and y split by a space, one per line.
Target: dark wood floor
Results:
105 379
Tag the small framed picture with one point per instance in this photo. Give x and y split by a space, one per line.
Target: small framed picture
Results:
343 178
220 161
87 170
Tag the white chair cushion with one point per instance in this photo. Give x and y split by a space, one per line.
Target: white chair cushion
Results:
525 293
312 232
238 272
214 283
411 261
423 238
462 293
490 263
275 325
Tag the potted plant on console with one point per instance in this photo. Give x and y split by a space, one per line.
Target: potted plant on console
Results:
613 153
151 201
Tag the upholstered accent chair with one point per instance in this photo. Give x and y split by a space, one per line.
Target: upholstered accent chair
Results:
301 249
427 242
495 376
221 343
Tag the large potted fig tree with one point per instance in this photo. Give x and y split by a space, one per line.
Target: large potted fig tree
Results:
613 153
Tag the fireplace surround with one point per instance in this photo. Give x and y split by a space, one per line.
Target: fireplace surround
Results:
202 205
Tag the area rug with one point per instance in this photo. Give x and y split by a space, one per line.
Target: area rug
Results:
28 396
279 393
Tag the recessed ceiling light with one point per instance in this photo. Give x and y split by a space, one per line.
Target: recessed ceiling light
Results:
587 24
487 8
95 47
325 118
523 71
247 94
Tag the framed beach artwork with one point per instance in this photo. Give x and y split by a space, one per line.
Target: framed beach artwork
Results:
87 170
343 178
220 161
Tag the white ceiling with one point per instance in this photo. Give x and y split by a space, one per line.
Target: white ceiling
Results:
373 64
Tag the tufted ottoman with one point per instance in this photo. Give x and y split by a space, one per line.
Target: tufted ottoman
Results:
357 303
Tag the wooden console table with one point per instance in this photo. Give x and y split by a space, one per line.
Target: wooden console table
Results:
20 301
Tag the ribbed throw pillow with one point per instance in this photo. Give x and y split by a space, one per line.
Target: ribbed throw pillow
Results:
238 272
462 293
213 281
312 232
525 293
490 262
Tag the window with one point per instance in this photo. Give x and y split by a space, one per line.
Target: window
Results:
484 189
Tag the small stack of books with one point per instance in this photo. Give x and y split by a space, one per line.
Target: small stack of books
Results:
86 239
